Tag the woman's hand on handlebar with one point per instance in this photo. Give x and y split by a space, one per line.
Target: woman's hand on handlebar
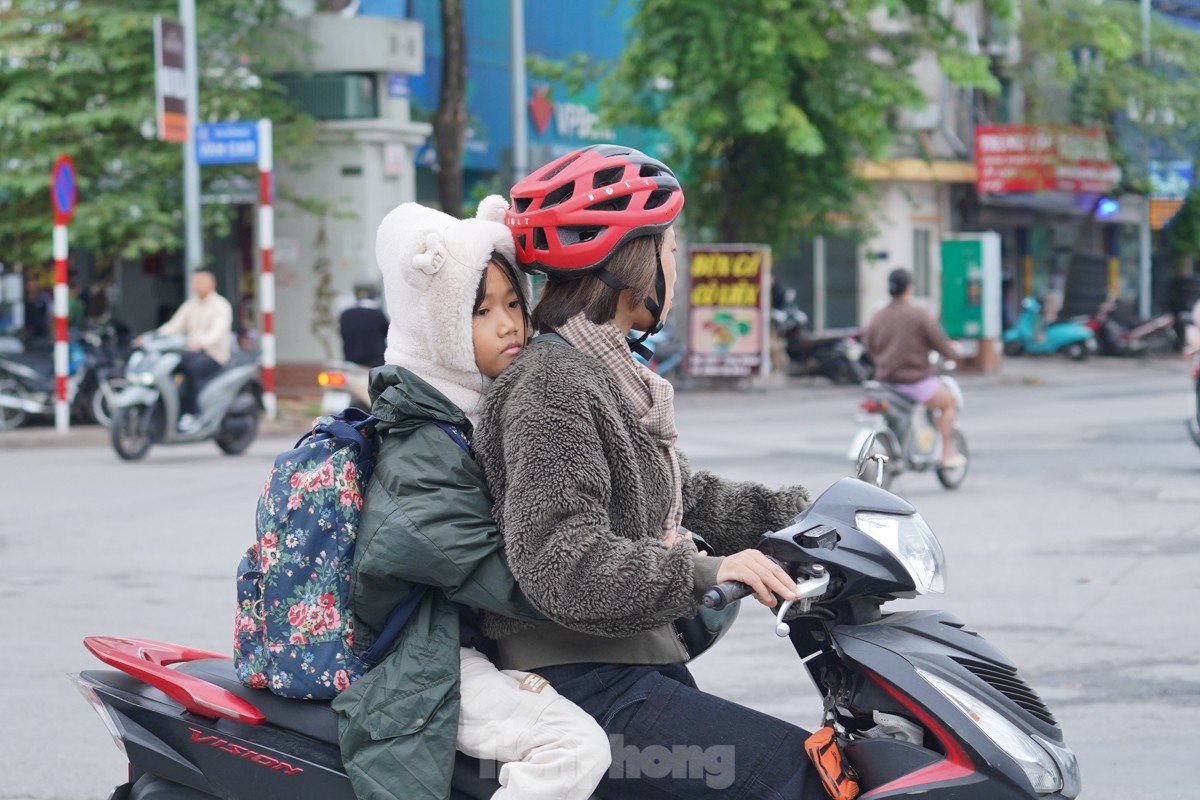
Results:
761 574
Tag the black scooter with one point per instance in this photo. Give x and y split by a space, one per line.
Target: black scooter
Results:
836 354
28 386
921 703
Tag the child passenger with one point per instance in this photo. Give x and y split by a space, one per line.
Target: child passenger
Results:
459 315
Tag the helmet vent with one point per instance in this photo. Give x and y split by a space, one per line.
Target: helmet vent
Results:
559 195
521 203
649 171
539 239
612 204
607 177
559 169
657 198
521 240
578 233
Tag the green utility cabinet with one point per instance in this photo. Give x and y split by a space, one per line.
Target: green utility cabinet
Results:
971 285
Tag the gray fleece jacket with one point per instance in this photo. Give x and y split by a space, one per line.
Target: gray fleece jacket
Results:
581 490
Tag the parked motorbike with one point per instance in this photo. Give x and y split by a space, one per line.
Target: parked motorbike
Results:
147 409
837 353
920 703
344 384
28 384
906 433
1031 335
1120 334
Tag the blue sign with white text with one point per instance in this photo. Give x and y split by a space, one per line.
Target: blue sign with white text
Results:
227 143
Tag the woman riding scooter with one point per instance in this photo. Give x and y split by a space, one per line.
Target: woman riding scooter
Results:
577 441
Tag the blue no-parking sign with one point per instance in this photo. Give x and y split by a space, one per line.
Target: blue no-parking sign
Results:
227 143
62 189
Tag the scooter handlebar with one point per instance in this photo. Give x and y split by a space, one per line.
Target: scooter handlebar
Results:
725 593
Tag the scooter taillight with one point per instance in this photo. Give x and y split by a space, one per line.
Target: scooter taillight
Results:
331 379
874 406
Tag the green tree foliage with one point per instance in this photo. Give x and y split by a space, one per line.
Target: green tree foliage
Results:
1083 64
77 77
769 105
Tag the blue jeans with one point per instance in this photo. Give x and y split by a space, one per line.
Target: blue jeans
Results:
670 740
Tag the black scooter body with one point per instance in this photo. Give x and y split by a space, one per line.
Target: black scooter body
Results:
861 661
177 755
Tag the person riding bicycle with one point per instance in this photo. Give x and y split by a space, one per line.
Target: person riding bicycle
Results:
898 339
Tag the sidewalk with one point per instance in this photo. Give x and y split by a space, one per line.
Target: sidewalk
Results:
294 419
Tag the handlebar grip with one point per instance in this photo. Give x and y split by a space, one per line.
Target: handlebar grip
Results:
728 592
725 593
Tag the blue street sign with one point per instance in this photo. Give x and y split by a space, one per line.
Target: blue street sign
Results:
398 86
1170 179
62 189
227 143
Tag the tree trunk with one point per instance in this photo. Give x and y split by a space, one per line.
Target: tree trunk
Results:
450 120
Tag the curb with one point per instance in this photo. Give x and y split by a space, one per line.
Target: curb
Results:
42 436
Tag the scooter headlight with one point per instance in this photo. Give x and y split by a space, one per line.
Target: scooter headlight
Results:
913 542
1040 767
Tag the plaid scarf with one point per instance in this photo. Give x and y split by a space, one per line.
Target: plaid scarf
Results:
652 397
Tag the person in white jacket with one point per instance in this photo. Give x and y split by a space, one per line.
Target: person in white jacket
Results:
207 320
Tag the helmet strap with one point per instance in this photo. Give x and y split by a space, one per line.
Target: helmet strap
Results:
653 305
610 279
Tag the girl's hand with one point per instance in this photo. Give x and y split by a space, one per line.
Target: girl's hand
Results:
760 573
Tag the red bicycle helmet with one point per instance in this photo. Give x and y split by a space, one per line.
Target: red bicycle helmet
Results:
569 216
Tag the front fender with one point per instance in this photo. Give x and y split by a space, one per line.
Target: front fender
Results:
132 396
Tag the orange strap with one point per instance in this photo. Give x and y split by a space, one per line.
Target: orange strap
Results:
837 776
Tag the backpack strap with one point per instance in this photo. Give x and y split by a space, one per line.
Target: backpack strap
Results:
348 426
398 619
457 435
395 625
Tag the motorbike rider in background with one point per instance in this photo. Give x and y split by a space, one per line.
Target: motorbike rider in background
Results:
207 321
898 339
364 329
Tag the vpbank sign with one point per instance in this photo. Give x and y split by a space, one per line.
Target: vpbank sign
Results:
227 143
571 120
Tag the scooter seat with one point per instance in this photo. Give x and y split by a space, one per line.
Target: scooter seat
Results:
312 718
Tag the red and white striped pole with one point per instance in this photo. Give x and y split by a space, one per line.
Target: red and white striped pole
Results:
62 412
62 198
266 245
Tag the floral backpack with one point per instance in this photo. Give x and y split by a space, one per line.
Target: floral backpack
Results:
294 631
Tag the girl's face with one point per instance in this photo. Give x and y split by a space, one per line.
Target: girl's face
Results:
643 319
498 324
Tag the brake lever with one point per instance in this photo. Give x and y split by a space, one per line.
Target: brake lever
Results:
810 588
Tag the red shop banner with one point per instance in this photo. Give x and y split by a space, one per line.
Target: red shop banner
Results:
1041 158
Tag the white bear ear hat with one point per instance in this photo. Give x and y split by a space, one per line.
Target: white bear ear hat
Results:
432 264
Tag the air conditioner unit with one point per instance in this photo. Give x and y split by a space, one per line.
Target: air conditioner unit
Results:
336 96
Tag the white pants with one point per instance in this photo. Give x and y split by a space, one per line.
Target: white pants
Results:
551 749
